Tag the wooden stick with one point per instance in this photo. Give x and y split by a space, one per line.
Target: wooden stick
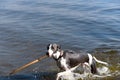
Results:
28 64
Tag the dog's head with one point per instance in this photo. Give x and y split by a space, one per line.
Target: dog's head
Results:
53 50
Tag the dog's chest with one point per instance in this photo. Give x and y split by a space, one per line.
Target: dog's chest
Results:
62 64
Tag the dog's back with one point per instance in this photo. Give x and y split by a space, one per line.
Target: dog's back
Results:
73 59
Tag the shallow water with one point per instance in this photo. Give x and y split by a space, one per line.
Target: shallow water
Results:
27 26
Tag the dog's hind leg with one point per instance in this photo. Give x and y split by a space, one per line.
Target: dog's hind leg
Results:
93 67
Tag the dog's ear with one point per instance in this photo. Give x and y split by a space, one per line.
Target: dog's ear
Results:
48 46
59 46
56 46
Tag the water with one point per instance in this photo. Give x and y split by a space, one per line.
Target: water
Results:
27 26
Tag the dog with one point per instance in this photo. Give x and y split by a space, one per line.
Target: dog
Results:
66 60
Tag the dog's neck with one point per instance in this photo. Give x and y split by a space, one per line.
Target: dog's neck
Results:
61 55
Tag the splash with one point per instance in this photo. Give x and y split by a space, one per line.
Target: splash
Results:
103 71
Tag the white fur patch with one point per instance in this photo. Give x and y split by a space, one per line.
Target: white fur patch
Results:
56 55
63 63
50 51
90 58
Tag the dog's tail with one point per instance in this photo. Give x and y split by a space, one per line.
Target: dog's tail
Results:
105 63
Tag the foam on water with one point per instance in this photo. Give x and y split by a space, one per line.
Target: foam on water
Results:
103 71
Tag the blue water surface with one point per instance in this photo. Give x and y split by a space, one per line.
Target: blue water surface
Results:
27 26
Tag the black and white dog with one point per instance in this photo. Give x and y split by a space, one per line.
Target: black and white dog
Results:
69 59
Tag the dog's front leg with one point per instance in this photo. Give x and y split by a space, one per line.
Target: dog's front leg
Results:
67 72
60 74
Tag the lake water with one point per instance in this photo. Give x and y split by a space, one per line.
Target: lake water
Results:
27 26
